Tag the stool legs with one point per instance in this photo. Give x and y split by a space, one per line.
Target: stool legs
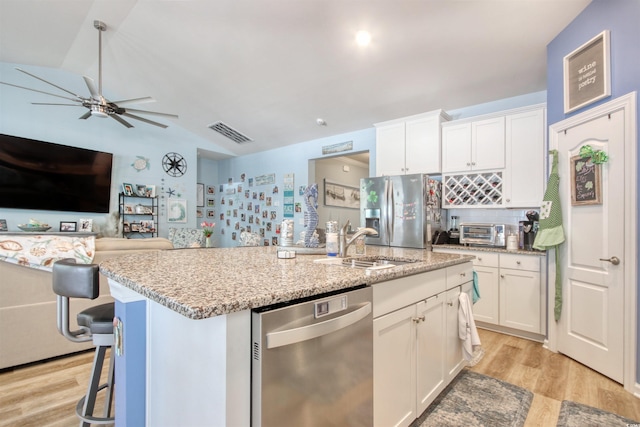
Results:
86 405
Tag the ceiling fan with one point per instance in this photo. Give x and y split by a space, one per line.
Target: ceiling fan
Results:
97 104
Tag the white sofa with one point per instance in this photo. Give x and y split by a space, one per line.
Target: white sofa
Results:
28 331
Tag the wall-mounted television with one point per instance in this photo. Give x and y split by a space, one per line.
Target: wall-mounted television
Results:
46 176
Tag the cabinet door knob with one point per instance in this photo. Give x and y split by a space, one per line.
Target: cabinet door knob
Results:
468 164
508 200
418 319
473 163
450 303
502 276
463 274
518 262
479 258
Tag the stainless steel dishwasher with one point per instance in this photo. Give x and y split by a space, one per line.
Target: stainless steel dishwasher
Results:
312 362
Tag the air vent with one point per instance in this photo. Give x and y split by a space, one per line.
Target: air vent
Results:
256 351
226 130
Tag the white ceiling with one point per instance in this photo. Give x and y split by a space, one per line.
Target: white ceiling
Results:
270 68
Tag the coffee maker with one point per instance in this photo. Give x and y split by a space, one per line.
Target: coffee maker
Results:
528 230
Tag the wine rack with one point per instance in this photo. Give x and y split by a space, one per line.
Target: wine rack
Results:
479 189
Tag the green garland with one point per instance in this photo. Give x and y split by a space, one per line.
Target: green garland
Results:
597 157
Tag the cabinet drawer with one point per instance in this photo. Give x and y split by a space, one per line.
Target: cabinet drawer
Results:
459 274
486 259
394 294
520 262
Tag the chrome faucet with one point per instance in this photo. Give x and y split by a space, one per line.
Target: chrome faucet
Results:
344 243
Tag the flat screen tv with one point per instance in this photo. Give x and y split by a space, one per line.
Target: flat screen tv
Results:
45 176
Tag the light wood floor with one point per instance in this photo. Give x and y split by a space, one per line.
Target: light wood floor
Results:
45 394
552 378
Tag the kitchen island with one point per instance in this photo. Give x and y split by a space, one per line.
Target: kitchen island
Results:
186 350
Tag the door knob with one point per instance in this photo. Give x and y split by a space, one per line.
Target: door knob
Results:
613 260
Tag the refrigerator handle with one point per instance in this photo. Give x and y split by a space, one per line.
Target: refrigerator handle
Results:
391 211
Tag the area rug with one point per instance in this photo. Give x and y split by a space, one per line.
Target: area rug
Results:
474 399
574 414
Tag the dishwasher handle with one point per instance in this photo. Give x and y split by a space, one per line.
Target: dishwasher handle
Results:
295 335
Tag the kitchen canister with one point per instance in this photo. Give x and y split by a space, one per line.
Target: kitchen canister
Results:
286 231
331 234
512 242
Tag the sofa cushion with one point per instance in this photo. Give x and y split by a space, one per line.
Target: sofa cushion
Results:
186 237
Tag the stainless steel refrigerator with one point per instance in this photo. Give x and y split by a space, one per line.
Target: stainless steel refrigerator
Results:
404 209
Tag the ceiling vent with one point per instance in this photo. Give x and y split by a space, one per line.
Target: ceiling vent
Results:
226 130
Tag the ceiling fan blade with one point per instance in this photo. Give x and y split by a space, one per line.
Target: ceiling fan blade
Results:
142 119
92 87
86 115
152 112
135 101
49 83
78 99
51 103
121 120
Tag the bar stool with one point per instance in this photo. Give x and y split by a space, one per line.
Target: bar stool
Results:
71 280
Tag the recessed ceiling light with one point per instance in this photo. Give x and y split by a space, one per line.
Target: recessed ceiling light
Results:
321 122
363 38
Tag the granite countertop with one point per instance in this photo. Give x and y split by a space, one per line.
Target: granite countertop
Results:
490 249
202 283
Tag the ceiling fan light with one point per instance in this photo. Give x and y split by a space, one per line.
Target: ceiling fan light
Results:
99 111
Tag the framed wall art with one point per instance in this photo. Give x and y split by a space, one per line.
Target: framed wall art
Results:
177 210
587 73
585 182
200 195
341 195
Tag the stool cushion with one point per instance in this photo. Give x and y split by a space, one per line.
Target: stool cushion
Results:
99 319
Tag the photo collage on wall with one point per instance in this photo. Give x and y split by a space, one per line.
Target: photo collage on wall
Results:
206 203
253 205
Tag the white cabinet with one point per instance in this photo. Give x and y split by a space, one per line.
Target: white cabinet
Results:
495 161
474 146
409 145
525 151
520 296
512 291
416 349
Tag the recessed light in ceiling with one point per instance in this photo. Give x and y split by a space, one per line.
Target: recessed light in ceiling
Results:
321 122
363 38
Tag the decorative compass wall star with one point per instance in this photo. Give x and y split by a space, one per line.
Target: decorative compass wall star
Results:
174 164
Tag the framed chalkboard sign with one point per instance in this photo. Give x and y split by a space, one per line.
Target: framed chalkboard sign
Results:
587 76
585 182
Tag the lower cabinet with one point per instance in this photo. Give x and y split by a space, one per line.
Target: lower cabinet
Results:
416 350
512 291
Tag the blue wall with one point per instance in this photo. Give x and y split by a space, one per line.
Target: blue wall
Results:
622 19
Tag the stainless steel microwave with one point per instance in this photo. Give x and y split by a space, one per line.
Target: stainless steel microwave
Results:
483 234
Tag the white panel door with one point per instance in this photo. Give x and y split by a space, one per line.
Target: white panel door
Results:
488 144
430 323
422 145
591 325
487 308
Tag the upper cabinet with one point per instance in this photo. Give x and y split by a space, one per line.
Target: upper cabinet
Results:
495 161
409 145
473 146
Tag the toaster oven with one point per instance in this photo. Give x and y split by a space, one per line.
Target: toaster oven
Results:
483 234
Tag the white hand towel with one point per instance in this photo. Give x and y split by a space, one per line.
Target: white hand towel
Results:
467 331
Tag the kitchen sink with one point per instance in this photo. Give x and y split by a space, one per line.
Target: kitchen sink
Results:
371 262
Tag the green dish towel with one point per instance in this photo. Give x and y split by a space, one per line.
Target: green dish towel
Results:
551 232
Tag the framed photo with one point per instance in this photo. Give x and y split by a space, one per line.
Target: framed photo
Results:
135 227
199 213
211 202
211 213
151 191
3 225
211 189
68 227
141 190
86 225
585 182
177 210
200 195
128 209
587 73
127 189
